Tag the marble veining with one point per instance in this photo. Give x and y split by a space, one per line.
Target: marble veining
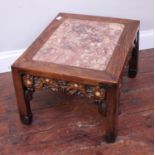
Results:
81 43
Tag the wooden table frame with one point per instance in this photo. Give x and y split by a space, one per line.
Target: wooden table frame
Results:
103 86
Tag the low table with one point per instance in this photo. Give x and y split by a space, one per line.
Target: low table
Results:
81 55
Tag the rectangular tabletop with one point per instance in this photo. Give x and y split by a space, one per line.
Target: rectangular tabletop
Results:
88 48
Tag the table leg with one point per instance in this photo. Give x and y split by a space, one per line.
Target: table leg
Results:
133 63
112 99
23 96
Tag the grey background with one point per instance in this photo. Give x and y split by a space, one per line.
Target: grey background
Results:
21 21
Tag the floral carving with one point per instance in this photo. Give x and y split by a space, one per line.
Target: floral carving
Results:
29 89
90 91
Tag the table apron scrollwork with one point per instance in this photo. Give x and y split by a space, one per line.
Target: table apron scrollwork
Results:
91 91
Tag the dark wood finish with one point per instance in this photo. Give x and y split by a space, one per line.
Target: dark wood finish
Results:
103 86
72 125
113 94
133 63
112 73
24 95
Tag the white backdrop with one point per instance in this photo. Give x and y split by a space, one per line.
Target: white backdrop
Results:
22 20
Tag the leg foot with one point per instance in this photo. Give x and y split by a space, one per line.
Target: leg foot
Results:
110 138
27 120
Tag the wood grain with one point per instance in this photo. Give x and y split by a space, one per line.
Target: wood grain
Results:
102 85
112 73
72 125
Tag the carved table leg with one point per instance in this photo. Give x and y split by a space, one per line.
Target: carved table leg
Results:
112 100
133 63
23 95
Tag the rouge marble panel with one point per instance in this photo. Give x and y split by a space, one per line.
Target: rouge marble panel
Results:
81 43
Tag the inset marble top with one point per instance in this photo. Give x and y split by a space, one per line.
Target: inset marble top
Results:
81 43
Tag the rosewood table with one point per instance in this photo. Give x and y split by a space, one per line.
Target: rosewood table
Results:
81 55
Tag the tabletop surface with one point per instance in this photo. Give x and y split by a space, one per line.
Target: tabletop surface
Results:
81 48
81 43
